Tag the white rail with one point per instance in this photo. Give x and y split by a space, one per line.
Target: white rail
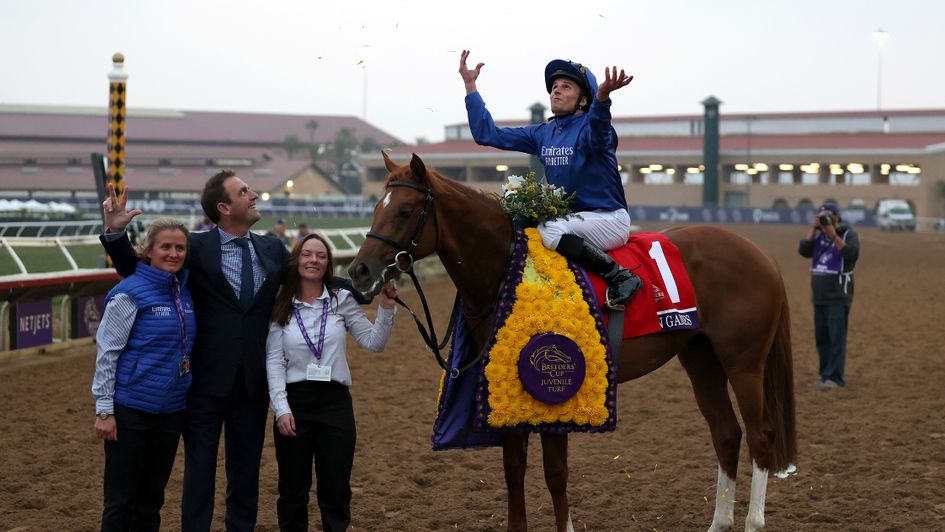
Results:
345 243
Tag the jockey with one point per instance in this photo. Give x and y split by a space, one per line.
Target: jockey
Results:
578 149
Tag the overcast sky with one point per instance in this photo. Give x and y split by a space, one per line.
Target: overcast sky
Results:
323 57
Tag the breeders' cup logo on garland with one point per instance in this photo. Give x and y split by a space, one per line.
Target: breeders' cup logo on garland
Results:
551 368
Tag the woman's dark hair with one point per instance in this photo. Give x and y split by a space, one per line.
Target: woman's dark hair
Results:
292 281
213 193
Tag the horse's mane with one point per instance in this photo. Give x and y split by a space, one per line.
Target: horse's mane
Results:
446 186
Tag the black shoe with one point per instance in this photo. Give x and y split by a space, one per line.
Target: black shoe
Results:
621 283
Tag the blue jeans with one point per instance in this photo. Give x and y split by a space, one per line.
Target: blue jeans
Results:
830 334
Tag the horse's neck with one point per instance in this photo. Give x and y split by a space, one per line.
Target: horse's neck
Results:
475 236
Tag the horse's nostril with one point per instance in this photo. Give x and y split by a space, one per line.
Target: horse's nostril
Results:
357 271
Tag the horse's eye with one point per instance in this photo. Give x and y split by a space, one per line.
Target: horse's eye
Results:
404 212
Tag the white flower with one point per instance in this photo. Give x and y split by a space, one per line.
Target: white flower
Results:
515 182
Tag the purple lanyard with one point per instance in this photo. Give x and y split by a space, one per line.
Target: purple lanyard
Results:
317 351
175 291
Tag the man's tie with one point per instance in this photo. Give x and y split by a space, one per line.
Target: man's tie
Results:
246 276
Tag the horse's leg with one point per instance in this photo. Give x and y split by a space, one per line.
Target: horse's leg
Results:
515 461
554 449
710 386
749 392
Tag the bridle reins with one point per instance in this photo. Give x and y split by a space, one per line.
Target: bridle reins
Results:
404 252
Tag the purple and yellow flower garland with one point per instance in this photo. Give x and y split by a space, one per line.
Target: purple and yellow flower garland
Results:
549 298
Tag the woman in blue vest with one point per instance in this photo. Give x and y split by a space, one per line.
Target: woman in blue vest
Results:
309 378
578 149
142 374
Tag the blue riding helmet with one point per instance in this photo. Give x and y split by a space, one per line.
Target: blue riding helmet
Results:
575 71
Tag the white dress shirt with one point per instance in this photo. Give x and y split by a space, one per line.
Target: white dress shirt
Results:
111 338
288 354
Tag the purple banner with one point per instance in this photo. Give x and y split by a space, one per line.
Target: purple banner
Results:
33 323
744 215
551 368
87 313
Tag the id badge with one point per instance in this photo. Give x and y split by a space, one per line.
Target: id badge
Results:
184 367
318 373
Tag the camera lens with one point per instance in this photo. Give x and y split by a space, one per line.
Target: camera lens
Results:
825 219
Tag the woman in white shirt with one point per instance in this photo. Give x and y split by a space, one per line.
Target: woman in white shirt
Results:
308 383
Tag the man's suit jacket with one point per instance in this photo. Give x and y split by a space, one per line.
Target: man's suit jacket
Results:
227 335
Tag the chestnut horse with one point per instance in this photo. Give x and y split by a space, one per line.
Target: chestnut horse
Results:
744 339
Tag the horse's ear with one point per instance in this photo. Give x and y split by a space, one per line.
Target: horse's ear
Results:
391 166
418 168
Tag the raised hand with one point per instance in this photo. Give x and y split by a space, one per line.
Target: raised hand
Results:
116 215
612 82
469 76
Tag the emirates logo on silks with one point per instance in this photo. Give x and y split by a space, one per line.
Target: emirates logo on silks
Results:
657 293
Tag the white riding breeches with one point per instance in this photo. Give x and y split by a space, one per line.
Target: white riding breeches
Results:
606 230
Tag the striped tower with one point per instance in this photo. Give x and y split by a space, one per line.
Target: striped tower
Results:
116 123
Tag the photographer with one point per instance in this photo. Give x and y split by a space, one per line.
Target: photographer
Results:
834 249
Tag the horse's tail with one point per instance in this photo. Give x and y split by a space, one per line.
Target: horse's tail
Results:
779 394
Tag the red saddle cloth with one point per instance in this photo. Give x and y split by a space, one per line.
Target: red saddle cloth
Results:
666 301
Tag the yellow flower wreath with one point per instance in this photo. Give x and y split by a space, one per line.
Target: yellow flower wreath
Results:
547 300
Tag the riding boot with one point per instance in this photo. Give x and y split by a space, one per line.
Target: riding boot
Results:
622 283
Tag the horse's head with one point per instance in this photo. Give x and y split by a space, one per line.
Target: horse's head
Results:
403 230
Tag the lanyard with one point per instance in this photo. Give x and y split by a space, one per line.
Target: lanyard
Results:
317 351
175 291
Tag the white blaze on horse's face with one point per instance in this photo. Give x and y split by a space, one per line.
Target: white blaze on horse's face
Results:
387 199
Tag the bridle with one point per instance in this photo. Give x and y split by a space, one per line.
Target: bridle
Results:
404 252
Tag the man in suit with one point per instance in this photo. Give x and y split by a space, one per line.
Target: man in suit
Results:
234 277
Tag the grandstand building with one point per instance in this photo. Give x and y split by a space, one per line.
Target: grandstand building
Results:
767 160
45 152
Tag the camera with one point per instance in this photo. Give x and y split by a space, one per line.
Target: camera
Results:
826 219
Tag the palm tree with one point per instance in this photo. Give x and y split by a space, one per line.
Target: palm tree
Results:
311 126
291 145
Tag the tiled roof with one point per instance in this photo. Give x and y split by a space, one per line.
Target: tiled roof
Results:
184 126
194 143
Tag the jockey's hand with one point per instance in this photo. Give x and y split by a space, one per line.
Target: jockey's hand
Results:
469 76
286 425
116 215
612 82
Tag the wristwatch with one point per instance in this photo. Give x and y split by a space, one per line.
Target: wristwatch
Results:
103 415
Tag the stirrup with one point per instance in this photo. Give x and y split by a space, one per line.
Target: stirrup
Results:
610 306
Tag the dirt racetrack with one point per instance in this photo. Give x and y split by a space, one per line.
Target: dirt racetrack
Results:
871 456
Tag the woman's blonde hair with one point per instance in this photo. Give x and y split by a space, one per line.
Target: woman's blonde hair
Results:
161 224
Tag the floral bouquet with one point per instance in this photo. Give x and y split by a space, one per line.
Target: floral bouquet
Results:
531 202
